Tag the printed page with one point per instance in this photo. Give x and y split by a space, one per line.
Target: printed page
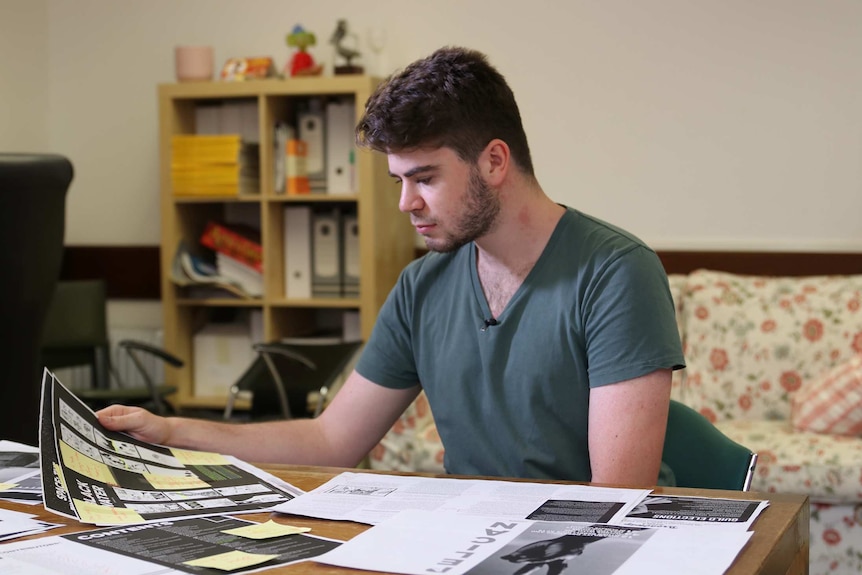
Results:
19 473
107 478
57 556
371 498
671 511
191 545
451 543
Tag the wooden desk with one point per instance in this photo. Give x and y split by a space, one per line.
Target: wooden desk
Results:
779 545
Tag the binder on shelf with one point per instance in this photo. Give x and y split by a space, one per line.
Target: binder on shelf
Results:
297 252
249 125
310 129
339 147
208 119
325 254
350 259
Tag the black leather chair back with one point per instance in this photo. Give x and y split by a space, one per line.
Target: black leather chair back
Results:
33 191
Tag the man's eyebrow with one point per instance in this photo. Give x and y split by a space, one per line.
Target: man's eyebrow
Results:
417 170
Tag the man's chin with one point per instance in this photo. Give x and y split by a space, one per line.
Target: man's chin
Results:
442 246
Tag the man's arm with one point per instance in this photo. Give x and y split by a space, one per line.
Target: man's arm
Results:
626 430
358 417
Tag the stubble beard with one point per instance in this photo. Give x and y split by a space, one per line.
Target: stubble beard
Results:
481 208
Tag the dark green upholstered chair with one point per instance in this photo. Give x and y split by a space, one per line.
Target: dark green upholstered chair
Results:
701 456
76 334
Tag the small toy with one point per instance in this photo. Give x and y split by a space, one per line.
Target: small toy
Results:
239 69
338 38
301 63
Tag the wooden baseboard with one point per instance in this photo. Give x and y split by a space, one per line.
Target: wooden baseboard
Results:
763 263
132 272
757 263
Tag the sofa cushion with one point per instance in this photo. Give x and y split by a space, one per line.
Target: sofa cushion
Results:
831 403
826 467
751 341
412 444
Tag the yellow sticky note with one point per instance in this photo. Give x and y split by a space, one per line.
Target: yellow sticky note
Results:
188 457
230 560
175 481
86 466
266 530
103 515
5 486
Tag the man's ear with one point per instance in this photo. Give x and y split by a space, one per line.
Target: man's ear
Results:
494 162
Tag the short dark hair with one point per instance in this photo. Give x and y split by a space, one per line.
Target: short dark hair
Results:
453 98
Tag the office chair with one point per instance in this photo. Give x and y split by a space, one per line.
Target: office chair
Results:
76 334
283 375
701 456
33 190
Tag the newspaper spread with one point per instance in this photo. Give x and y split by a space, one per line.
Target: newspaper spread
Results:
372 498
200 545
455 544
105 478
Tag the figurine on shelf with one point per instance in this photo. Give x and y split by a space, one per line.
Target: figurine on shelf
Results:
301 63
347 53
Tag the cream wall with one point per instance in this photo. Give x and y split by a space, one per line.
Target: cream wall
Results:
23 76
693 123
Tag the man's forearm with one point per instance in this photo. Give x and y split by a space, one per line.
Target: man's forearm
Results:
297 441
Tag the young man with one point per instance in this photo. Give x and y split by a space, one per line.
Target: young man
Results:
544 338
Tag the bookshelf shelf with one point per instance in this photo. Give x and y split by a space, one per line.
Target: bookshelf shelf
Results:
340 303
254 199
385 236
219 302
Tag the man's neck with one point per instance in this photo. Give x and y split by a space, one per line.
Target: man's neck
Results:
524 226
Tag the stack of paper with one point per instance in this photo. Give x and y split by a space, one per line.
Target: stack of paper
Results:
218 165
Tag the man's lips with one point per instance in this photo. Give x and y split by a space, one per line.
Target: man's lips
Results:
422 228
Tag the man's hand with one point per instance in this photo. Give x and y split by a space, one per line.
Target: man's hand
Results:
137 422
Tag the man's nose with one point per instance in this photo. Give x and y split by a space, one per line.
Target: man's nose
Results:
410 200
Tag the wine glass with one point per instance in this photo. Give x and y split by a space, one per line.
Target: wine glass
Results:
377 43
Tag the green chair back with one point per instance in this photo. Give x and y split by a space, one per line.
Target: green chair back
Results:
701 456
76 329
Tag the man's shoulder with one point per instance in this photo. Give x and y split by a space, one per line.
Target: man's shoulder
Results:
595 230
595 243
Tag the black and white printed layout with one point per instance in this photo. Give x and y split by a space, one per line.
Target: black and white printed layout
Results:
108 478
19 473
187 544
418 542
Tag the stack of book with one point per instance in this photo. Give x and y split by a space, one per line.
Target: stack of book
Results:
200 278
214 165
239 255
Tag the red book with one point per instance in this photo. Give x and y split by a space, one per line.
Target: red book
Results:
240 243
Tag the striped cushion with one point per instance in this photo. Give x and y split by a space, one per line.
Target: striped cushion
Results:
831 403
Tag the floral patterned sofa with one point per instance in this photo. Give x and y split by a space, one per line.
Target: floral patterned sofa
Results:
776 364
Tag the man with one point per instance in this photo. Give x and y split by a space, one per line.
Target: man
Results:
544 338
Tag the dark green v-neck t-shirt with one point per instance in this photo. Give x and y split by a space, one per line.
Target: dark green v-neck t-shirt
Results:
512 399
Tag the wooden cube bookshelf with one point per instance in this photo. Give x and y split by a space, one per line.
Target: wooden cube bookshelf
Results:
386 239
